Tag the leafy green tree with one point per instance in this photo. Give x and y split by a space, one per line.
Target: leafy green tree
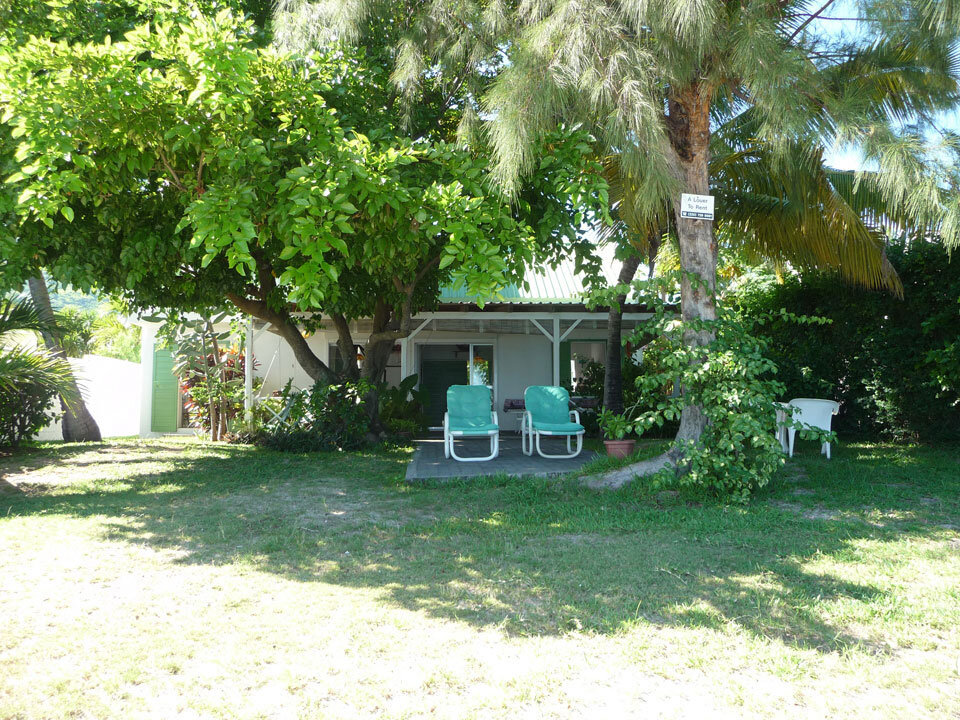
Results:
70 21
185 167
785 209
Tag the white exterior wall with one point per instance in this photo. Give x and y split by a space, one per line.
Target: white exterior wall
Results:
148 339
524 360
111 392
275 363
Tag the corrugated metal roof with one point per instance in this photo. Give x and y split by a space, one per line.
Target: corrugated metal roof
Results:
546 285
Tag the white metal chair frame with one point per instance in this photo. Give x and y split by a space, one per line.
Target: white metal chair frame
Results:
449 435
810 404
529 436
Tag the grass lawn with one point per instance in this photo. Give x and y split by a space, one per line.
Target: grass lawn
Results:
173 578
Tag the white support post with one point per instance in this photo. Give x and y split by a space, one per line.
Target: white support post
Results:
539 327
148 338
569 330
556 351
248 374
405 348
417 329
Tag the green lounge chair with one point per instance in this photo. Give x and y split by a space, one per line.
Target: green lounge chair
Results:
548 413
469 415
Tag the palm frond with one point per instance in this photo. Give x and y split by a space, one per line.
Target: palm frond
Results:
784 209
23 367
21 314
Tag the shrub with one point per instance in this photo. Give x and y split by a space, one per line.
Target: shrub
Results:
892 364
402 426
24 411
326 417
732 382
614 425
403 403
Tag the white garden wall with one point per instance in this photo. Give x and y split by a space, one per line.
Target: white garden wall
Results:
111 390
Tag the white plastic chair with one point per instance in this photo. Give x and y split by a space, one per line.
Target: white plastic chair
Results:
784 412
812 412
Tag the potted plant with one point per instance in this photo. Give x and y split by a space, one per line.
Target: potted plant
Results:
615 428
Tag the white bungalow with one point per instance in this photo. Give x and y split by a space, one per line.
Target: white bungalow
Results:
535 336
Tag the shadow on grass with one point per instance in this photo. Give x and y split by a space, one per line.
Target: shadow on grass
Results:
532 556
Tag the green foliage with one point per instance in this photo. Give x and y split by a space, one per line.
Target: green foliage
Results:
403 404
615 426
210 369
326 417
199 150
402 428
729 382
183 166
75 331
98 332
892 364
24 411
30 378
114 338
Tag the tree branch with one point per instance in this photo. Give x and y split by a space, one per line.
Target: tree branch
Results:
810 19
175 178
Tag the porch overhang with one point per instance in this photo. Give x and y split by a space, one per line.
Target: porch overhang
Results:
556 322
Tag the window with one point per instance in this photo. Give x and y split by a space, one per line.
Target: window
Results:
481 365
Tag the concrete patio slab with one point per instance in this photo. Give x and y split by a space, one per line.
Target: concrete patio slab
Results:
428 462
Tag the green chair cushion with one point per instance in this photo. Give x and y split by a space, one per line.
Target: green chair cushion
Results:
547 404
468 409
567 428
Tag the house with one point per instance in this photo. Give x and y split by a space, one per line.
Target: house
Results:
536 336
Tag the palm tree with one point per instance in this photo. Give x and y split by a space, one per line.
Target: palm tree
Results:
658 78
783 206
29 373
799 214
77 423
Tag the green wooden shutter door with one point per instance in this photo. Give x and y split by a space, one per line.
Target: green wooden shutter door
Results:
436 377
166 395
565 378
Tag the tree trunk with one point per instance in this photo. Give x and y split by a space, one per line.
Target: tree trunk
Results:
221 376
652 253
77 424
375 357
613 372
345 346
688 128
288 329
698 251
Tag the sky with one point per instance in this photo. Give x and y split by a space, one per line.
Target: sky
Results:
849 158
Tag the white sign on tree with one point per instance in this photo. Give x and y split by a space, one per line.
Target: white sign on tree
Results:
697 207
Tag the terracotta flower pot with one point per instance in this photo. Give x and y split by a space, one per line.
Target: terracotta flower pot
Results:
619 448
